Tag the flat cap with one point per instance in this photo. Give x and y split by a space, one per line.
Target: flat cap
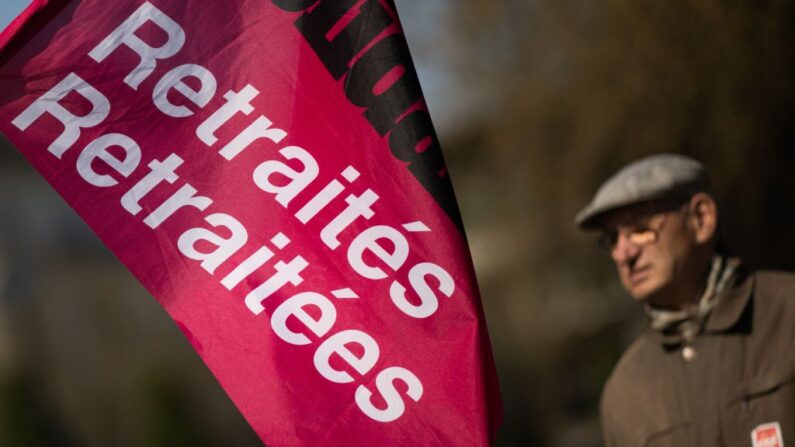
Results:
663 176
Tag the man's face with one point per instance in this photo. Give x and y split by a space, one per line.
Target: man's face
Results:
652 246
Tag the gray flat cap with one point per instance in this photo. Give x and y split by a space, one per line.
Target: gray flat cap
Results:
663 176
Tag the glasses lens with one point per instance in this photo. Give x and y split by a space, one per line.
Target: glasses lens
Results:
607 240
641 237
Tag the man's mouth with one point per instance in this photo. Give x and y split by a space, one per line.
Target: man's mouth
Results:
639 274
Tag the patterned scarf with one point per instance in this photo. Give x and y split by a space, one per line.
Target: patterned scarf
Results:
683 326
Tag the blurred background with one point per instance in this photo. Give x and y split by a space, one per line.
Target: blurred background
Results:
536 103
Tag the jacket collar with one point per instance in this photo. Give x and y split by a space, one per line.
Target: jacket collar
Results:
733 302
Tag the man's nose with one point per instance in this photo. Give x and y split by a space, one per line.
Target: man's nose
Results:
624 250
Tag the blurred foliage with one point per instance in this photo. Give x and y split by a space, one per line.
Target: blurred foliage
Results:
25 417
169 419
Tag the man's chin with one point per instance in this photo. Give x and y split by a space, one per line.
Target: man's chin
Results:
643 292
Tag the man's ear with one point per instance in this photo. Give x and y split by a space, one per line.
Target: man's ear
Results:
704 217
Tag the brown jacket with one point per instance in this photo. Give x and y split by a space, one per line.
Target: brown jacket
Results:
742 375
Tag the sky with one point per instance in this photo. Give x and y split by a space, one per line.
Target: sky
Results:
9 9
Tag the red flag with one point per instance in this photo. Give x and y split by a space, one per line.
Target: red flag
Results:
269 171
16 24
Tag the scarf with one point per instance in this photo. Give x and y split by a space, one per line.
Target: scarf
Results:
683 326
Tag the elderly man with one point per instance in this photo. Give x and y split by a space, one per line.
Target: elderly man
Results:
716 364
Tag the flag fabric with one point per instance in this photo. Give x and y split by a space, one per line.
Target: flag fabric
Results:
269 171
16 24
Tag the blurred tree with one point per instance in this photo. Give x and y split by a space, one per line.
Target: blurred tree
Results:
26 420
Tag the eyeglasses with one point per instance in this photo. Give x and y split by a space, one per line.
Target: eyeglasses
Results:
641 231
639 234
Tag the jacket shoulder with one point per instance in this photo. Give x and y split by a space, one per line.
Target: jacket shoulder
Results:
623 421
774 295
773 322
629 367
775 283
